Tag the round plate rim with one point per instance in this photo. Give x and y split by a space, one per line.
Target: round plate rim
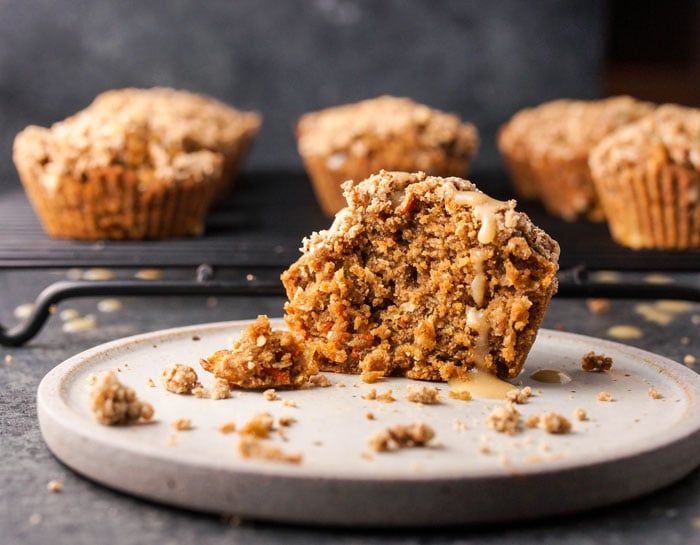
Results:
53 412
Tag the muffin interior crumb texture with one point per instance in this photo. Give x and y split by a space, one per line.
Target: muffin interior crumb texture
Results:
262 359
423 277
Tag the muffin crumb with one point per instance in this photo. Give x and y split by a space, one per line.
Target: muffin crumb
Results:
262 358
227 427
114 403
54 485
286 420
604 396
654 394
596 363
580 414
182 424
179 379
252 447
319 381
555 423
464 395
519 396
271 395
598 306
505 419
259 426
400 436
220 389
418 393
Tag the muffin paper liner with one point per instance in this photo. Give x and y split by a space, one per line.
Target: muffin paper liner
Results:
567 189
326 180
111 203
653 206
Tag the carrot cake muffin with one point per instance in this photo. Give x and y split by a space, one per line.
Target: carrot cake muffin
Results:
261 359
353 141
135 164
648 178
424 277
546 150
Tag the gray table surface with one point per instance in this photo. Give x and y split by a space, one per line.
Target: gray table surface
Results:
85 512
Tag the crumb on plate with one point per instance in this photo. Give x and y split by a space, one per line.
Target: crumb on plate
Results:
399 436
519 396
505 419
253 447
596 363
259 426
419 393
179 379
114 403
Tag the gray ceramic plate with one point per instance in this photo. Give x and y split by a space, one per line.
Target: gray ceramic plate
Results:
628 446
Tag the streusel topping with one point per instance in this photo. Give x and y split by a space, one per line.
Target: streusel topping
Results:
357 127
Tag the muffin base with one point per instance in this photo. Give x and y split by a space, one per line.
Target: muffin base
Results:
522 178
111 203
566 188
653 206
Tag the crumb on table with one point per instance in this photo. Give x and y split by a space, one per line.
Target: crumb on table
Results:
114 403
399 436
580 414
596 363
598 306
179 379
54 485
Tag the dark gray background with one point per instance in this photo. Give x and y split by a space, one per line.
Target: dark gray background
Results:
483 60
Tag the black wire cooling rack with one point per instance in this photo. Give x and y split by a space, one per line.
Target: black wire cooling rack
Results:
255 233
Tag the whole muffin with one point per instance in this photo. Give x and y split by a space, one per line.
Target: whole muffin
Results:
423 277
648 178
353 141
546 150
135 164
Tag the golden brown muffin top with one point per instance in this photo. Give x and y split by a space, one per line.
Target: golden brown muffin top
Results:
358 128
670 134
162 133
568 128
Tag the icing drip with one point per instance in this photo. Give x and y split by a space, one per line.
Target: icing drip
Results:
482 384
484 208
479 282
476 321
